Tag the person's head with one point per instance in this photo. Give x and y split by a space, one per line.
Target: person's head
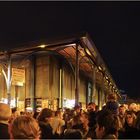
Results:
107 124
5 112
59 114
130 118
122 110
24 127
97 108
45 115
91 107
76 120
72 134
84 118
133 107
112 97
77 108
113 107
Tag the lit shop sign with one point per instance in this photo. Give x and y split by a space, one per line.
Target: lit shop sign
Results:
18 76
69 103
5 100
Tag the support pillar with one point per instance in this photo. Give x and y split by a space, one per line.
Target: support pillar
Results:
8 82
102 92
16 95
99 90
61 88
32 88
94 83
77 76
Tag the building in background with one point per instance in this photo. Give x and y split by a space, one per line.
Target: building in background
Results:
55 73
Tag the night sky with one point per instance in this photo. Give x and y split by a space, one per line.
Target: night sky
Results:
113 26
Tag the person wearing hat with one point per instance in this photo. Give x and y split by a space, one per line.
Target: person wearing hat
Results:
5 114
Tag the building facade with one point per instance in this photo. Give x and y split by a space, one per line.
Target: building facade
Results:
55 74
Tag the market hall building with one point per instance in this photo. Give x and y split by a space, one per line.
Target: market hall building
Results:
55 73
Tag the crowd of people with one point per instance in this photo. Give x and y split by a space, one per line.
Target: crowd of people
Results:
114 121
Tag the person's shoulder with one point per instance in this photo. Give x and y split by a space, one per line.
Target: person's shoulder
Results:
110 136
3 125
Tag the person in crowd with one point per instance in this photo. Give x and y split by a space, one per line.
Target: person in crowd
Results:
130 132
57 122
15 113
130 119
97 108
107 125
88 132
137 122
77 110
137 125
5 114
35 114
72 134
112 104
133 107
91 109
67 116
76 122
44 120
112 97
24 127
121 116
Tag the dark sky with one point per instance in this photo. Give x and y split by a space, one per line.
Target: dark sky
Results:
113 26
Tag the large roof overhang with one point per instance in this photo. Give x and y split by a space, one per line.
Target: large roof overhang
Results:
89 56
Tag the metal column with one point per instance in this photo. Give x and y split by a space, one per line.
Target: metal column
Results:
99 97
77 76
32 89
61 88
16 95
8 82
102 92
94 82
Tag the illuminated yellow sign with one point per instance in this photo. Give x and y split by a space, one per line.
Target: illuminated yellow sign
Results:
18 76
